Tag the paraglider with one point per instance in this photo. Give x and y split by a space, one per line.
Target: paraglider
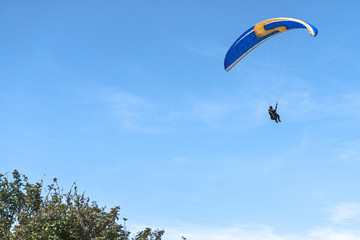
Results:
273 114
257 35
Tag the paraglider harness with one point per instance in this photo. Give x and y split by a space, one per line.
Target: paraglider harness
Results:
273 114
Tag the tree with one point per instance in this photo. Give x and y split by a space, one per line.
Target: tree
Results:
27 213
148 234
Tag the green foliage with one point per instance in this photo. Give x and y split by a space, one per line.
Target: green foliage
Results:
26 214
147 234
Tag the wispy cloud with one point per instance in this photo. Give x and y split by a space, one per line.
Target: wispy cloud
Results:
136 113
201 48
345 212
252 232
274 162
349 151
131 112
338 229
231 112
331 234
306 106
248 232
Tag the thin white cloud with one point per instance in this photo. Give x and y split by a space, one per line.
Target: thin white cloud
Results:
136 113
232 112
331 234
306 106
345 212
132 112
201 48
275 162
248 232
349 151
212 112
339 229
251 232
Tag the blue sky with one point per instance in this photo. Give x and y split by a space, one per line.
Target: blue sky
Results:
130 100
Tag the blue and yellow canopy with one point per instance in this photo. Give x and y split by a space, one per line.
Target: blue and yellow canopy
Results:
259 33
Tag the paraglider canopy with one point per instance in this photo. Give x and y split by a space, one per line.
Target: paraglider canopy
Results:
259 33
